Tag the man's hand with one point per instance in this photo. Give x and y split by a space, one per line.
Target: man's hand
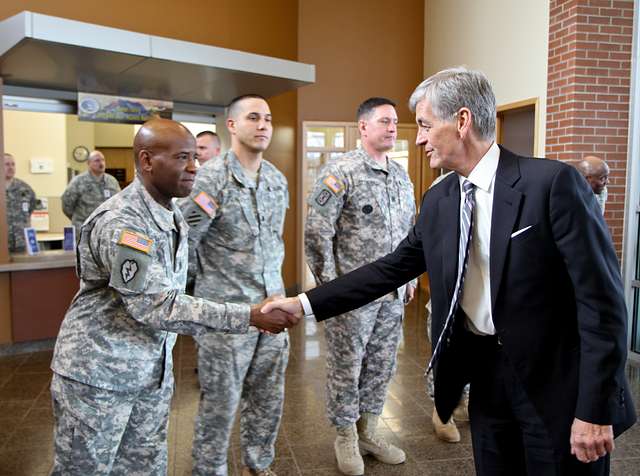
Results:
409 293
590 441
273 320
291 306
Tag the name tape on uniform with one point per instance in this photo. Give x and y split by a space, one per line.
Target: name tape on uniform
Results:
208 204
333 184
136 241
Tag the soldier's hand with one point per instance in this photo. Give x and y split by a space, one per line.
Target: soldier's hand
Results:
273 321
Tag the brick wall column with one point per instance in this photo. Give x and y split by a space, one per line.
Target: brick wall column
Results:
588 87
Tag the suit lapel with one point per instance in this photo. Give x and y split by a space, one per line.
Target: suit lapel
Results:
506 208
449 211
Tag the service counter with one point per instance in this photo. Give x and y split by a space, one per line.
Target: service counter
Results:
41 288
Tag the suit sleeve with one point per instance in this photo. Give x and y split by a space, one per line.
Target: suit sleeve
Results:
371 281
584 241
325 206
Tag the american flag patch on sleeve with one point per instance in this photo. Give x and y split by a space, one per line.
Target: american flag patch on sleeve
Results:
333 183
136 241
208 204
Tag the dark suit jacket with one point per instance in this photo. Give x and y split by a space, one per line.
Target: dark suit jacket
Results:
556 292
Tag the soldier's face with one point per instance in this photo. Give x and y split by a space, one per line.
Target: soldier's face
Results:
380 130
97 164
252 127
173 163
208 148
9 167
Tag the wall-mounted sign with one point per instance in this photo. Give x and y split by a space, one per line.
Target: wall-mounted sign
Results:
122 110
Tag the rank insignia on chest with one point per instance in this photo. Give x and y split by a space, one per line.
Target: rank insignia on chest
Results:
134 240
333 183
208 204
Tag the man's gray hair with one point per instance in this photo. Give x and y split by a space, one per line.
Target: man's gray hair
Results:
454 88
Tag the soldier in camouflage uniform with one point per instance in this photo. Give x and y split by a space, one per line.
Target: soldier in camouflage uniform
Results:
362 206
112 362
21 201
236 212
88 190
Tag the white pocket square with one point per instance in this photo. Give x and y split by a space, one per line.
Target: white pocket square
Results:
519 232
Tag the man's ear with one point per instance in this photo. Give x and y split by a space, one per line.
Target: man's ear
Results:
464 120
231 125
362 126
144 161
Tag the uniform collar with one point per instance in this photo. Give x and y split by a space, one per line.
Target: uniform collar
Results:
163 217
238 172
371 163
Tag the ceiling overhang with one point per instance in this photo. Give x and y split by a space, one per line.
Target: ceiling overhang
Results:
41 52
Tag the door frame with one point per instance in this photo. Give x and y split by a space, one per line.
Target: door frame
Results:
514 106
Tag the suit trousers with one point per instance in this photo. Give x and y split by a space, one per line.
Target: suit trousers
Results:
508 435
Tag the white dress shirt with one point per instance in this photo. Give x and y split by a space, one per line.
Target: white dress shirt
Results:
476 293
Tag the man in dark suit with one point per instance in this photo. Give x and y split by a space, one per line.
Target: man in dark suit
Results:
525 287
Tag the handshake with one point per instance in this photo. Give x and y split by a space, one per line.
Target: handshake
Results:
276 313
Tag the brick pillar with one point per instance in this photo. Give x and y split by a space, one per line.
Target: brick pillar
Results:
588 89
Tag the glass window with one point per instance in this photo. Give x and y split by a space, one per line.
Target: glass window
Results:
325 137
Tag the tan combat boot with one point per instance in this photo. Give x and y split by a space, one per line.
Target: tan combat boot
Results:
375 445
257 472
445 431
346 446
461 412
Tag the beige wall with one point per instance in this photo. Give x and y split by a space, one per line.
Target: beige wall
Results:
113 135
29 135
506 39
79 133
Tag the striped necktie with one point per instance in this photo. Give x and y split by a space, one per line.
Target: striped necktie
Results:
466 230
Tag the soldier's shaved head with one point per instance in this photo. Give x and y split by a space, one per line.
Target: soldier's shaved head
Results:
157 134
165 155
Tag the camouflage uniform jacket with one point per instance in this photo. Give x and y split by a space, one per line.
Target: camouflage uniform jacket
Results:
132 262
358 212
83 195
236 230
21 201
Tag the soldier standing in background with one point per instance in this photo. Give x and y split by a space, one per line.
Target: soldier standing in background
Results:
21 201
112 363
88 190
208 146
361 207
236 212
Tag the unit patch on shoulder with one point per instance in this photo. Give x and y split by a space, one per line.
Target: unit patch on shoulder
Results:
134 240
208 204
333 183
128 270
323 197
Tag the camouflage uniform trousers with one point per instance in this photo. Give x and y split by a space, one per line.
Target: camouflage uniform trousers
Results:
246 371
362 347
102 432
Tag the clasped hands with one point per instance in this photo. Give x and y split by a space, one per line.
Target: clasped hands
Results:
276 313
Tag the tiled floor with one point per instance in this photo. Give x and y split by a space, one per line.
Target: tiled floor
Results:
305 444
